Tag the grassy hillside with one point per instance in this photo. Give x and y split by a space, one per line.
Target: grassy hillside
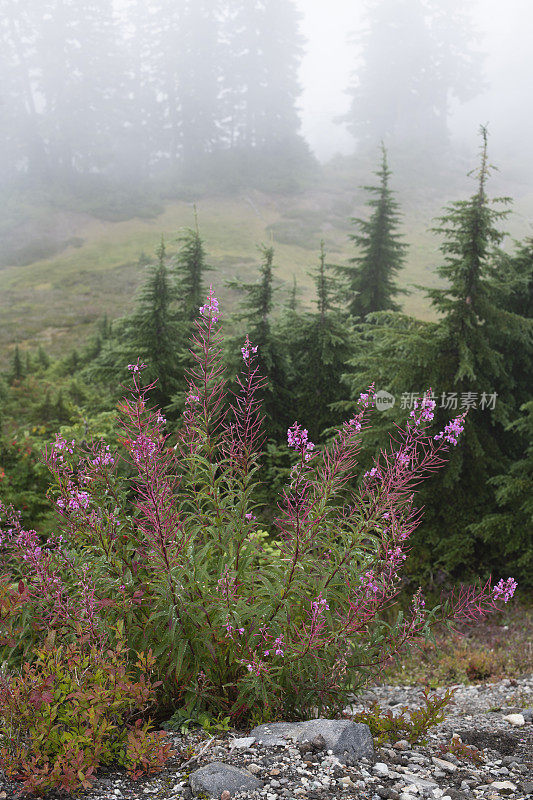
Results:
56 300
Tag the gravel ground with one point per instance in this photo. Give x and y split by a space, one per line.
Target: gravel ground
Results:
477 715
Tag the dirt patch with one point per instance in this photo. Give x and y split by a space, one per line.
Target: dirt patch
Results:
504 743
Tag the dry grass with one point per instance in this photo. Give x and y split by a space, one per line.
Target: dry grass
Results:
499 647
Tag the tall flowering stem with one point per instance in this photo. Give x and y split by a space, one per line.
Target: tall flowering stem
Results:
162 537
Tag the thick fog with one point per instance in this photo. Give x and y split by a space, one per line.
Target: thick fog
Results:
504 36
131 90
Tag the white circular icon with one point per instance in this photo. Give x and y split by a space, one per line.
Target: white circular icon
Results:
384 400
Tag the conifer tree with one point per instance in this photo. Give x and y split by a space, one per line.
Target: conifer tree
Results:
292 305
72 363
188 269
369 283
320 346
151 333
257 306
61 411
17 370
42 358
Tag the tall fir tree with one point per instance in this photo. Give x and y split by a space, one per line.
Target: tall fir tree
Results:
188 268
369 281
320 344
151 332
257 306
461 358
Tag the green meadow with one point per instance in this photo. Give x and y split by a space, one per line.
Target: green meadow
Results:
55 301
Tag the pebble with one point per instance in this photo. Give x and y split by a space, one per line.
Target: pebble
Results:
503 786
402 744
447 766
515 719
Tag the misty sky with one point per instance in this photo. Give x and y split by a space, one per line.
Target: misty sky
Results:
507 35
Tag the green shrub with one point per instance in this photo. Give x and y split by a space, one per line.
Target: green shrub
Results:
385 726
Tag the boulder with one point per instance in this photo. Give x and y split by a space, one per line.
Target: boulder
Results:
215 778
349 741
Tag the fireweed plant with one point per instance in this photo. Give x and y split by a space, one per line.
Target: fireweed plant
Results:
179 566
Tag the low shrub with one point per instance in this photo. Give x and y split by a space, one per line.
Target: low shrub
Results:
72 710
174 551
463 751
386 726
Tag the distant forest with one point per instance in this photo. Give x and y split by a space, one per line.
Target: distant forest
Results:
177 90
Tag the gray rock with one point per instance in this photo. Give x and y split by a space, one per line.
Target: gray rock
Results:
217 777
503 786
414 780
528 714
241 744
349 741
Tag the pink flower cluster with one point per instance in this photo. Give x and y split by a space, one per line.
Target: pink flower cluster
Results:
247 349
76 501
135 368
373 473
320 604
211 310
452 431
404 459
366 398
369 583
59 446
105 459
297 438
505 589
427 407
143 448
